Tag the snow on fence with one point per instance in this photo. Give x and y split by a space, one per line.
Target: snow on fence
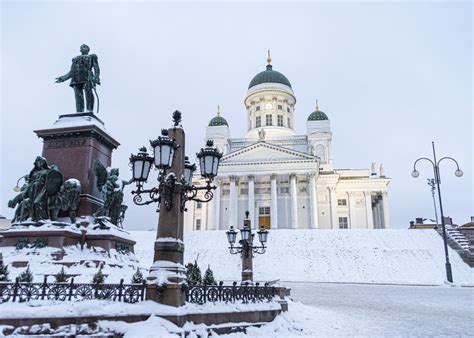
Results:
244 293
22 292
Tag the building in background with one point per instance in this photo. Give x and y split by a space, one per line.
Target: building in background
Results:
284 179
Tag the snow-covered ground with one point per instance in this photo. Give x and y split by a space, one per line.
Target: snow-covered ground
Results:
342 256
323 310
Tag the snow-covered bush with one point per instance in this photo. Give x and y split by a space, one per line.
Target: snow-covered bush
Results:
3 271
99 277
193 274
137 277
26 276
209 277
61 276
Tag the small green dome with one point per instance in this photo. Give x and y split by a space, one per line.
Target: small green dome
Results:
317 115
218 120
269 75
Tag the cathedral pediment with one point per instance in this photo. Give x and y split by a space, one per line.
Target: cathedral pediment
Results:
263 152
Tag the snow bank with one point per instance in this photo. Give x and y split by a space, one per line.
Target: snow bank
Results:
341 256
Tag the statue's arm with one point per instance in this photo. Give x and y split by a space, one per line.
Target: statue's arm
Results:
65 76
95 66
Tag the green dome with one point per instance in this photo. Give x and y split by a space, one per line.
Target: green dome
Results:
218 121
269 75
317 115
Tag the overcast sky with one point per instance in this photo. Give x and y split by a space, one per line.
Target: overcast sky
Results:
392 77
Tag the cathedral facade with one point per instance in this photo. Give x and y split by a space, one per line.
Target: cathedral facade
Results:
283 179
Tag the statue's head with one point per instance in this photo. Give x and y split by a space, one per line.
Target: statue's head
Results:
40 162
85 49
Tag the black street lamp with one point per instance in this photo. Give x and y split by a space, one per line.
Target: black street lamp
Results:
247 248
437 178
174 189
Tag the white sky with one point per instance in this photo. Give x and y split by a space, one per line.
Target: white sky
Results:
392 77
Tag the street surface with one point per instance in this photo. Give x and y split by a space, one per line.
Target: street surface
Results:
386 310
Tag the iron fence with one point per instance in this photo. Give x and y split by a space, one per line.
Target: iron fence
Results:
22 292
200 294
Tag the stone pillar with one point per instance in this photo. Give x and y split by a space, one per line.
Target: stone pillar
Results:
251 201
247 260
368 209
73 143
313 198
333 201
232 200
386 218
352 209
169 246
274 202
294 202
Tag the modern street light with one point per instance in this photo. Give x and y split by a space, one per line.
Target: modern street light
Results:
174 189
437 178
247 248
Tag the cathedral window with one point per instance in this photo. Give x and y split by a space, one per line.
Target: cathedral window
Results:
343 224
280 107
287 109
258 122
257 108
342 202
289 123
198 224
280 120
268 120
198 205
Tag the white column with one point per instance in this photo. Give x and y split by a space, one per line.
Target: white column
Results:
368 207
294 202
313 200
274 203
251 203
386 218
333 201
216 207
352 209
232 199
236 203
380 213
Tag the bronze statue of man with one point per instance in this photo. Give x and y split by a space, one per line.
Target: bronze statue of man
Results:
84 75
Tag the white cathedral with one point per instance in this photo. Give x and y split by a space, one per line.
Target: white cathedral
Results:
283 179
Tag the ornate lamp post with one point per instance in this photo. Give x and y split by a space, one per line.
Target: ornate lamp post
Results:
247 248
437 178
174 189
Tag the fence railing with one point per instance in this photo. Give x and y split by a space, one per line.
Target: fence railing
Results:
22 292
246 293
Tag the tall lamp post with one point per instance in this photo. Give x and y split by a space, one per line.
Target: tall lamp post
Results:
247 248
437 177
167 274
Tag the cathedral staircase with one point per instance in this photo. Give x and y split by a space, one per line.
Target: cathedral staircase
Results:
458 242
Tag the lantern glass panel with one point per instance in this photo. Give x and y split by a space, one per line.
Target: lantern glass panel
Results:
138 169
215 166
202 166
209 163
245 233
262 236
187 175
146 170
231 236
